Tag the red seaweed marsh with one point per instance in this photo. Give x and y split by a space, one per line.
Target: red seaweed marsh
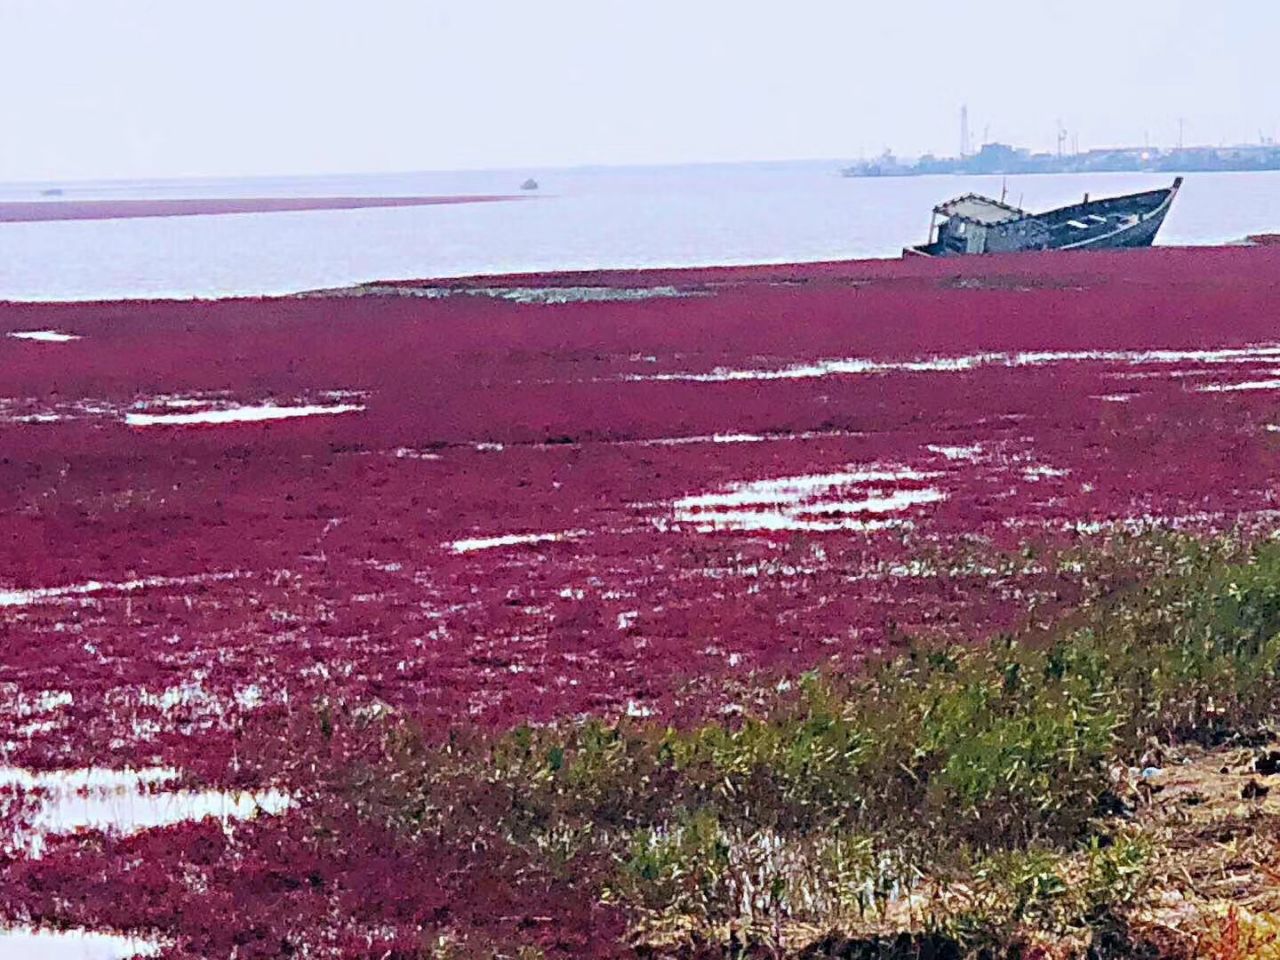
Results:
504 500
36 211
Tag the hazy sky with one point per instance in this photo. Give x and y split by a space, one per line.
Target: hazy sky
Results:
140 88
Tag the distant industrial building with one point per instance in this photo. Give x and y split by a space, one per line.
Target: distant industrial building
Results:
1000 158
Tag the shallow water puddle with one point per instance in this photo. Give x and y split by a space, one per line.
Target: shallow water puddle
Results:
44 336
511 540
825 368
411 453
122 802
554 295
1259 353
849 366
691 440
1038 472
28 943
176 410
246 414
701 438
1246 385
850 501
969 452
19 598
738 438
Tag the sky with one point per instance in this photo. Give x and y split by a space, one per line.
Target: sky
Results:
101 89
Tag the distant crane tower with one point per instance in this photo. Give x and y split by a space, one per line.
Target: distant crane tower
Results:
964 130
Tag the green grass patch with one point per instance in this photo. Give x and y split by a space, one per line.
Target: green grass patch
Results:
962 784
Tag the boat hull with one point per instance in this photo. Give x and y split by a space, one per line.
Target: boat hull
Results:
1141 234
1121 223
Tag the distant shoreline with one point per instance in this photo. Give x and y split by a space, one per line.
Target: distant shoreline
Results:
39 211
1000 159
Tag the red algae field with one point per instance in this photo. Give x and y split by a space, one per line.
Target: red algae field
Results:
515 499
31 211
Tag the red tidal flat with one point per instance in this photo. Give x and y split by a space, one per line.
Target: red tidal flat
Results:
26 211
521 498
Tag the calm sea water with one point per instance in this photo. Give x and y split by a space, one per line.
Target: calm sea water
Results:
617 217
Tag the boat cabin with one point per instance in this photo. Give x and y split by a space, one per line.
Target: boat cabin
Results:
977 224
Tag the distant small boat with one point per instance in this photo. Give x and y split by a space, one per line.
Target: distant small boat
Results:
51 192
975 224
530 184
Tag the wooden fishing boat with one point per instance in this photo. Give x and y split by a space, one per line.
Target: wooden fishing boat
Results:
975 224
